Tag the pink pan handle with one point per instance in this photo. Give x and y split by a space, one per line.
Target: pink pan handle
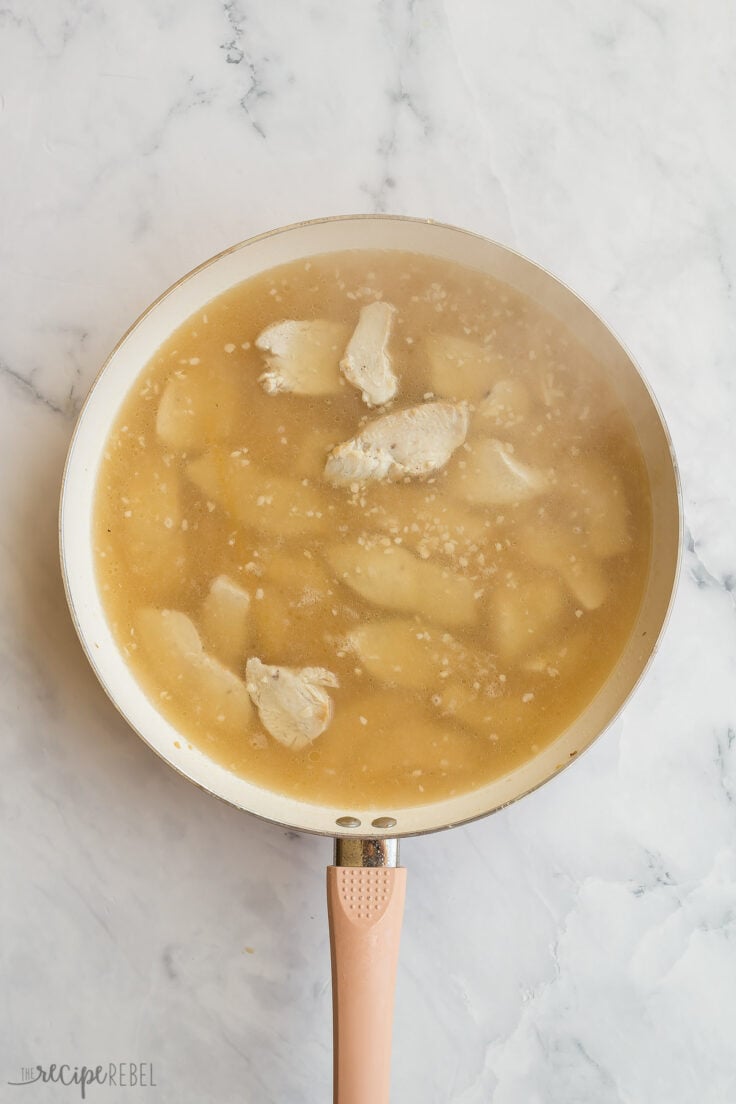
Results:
365 907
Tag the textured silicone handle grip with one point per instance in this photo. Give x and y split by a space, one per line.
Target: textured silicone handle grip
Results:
365 907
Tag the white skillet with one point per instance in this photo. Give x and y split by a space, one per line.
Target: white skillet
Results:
365 887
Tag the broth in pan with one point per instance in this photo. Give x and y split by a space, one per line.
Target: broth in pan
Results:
372 529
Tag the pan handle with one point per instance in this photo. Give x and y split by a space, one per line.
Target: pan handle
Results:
365 905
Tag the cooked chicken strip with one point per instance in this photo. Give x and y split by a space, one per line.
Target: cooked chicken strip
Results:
366 363
410 442
291 701
394 578
493 476
204 682
226 620
302 357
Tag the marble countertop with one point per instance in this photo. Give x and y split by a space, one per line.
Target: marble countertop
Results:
578 948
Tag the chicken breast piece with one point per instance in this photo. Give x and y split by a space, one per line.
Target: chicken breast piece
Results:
459 368
367 364
263 500
213 693
292 703
556 550
493 476
197 408
303 357
396 579
411 442
225 619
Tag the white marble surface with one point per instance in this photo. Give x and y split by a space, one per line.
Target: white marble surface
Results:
579 948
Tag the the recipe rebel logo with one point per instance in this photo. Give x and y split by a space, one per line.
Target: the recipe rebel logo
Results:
116 1075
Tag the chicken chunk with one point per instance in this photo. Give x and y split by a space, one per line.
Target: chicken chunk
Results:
198 407
396 579
272 503
216 696
367 364
412 442
556 550
459 368
522 615
292 703
225 618
493 476
303 357
408 653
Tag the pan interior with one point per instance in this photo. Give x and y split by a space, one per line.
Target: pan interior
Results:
124 366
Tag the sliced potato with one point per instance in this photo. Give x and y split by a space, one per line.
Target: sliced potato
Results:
287 593
559 657
426 519
481 709
396 579
395 652
226 621
150 527
493 476
303 356
423 749
598 492
405 652
257 498
212 693
197 408
459 368
275 623
291 571
284 622
522 614
556 550
507 404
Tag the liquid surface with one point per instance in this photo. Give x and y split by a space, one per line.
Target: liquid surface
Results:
462 618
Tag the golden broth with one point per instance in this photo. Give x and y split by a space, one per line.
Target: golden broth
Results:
510 615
